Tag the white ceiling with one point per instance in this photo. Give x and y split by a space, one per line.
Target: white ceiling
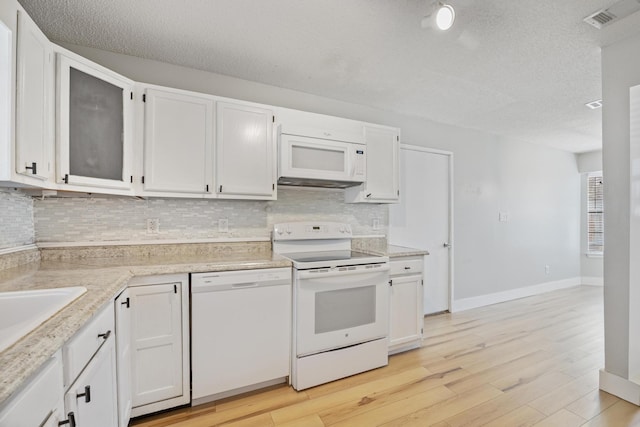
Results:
515 68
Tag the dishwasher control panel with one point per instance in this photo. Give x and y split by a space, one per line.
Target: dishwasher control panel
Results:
201 282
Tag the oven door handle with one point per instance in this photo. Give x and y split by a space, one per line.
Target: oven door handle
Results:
336 271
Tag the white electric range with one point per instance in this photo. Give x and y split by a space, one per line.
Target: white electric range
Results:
340 302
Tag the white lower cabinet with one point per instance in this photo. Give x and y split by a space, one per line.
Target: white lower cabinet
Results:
123 356
40 402
92 397
405 311
159 316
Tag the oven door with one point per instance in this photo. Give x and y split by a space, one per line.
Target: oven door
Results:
340 307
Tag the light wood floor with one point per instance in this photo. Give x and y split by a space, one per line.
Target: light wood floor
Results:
528 362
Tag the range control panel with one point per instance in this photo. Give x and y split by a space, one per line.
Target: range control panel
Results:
311 230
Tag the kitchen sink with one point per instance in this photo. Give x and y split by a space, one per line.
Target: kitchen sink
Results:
23 311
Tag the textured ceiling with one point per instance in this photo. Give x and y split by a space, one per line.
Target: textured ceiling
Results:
520 69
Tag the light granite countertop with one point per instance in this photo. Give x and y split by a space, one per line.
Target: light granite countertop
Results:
394 251
104 278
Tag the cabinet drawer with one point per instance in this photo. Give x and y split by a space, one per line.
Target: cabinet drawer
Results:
81 348
406 266
38 400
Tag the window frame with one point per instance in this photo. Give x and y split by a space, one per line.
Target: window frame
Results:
591 252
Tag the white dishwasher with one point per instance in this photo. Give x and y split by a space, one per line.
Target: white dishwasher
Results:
240 331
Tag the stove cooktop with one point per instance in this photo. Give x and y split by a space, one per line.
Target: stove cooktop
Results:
324 259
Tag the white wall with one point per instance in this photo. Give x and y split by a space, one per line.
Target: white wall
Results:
590 161
591 267
620 71
539 186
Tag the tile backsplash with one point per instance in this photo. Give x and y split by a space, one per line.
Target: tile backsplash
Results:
16 219
109 219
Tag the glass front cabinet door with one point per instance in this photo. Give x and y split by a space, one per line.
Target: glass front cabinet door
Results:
94 125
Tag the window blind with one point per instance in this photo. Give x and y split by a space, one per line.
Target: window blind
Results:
595 213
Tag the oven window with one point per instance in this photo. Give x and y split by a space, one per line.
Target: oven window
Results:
345 308
317 158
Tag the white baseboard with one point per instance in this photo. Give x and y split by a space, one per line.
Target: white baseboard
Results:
621 387
482 300
592 281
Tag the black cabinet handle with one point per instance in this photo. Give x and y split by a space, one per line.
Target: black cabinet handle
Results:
86 394
126 302
407 268
106 335
71 420
33 168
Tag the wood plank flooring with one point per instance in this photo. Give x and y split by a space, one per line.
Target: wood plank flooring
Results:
529 362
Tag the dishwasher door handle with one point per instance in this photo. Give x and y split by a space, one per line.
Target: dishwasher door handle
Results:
245 285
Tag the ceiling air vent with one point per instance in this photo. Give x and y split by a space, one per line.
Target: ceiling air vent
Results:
600 18
613 13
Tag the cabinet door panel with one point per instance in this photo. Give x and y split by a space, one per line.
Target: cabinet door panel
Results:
382 163
40 402
123 357
406 310
94 125
245 161
156 342
34 99
178 140
99 409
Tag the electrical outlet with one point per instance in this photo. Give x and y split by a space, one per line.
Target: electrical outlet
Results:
547 269
223 225
153 226
376 224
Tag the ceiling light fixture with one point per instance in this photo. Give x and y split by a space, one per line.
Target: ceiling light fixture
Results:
594 105
445 16
439 15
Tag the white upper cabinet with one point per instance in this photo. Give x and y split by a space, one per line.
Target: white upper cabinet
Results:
7 89
34 101
303 123
178 141
245 151
94 118
383 153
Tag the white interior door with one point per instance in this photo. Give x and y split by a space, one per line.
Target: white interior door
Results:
422 218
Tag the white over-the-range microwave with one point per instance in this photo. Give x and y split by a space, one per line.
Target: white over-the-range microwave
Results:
318 162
